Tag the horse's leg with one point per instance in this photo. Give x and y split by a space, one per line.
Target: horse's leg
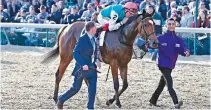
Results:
64 62
114 70
123 74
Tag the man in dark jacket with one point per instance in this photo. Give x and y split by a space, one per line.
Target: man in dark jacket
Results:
170 45
55 15
85 55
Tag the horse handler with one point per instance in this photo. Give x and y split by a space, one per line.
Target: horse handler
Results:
170 45
85 68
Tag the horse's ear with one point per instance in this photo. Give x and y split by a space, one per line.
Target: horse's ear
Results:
145 14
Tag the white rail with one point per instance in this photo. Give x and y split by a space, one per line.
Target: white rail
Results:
178 29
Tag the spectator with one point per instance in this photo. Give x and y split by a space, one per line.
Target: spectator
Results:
65 15
28 32
42 16
204 40
73 16
55 15
138 2
36 5
109 1
192 7
203 8
5 16
187 21
21 16
25 4
23 34
94 17
187 18
88 13
175 17
207 2
84 8
61 6
162 9
169 4
173 5
157 18
32 15
3 4
203 21
179 16
143 4
13 8
49 4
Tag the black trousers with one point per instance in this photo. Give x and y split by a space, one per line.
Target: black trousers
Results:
165 79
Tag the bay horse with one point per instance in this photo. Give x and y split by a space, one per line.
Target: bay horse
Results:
117 50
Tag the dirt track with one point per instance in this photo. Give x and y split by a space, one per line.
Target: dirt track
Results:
27 84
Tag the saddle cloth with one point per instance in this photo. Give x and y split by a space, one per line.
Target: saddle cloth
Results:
102 36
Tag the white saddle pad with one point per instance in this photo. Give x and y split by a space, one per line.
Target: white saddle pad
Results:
102 35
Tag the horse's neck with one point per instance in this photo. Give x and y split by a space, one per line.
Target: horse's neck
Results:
131 32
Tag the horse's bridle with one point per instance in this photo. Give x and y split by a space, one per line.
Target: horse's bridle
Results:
146 35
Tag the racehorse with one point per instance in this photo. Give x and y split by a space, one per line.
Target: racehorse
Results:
117 50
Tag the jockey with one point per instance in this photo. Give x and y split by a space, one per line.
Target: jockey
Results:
113 16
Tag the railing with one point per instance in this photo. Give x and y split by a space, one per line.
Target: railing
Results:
54 26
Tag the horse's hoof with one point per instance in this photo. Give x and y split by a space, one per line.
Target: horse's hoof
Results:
119 105
109 102
55 99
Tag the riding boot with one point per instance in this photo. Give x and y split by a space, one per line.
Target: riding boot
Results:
101 28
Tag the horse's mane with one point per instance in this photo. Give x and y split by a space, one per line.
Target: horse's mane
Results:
132 18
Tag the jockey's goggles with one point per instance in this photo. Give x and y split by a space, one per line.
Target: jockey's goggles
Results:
131 10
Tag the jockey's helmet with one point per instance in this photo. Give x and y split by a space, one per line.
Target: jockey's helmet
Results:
131 7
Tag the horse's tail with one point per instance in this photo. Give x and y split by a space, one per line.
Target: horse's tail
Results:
55 52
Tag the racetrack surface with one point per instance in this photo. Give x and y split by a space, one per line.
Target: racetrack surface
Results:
27 84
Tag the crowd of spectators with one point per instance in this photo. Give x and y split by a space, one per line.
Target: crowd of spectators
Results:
69 11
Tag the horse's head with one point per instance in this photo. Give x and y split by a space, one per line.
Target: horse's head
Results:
141 24
146 29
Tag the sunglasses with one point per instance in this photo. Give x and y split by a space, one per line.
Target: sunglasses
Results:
171 24
131 10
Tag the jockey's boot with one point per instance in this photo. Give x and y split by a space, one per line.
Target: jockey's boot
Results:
102 28
177 106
